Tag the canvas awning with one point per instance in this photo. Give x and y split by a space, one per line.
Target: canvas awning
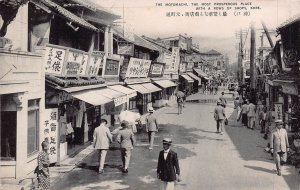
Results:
193 76
151 87
129 92
165 83
201 73
139 88
92 97
186 77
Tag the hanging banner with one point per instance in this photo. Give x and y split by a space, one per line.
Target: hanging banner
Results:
96 63
49 132
55 58
120 101
182 67
138 68
278 111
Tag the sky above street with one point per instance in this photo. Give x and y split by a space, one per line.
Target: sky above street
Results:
156 18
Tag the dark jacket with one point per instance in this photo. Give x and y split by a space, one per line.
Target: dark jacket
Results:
167 169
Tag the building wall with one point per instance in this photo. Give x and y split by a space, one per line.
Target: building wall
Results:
23 78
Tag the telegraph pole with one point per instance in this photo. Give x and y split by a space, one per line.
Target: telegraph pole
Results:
252 58
241 70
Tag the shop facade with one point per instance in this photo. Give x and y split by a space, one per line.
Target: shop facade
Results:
22 108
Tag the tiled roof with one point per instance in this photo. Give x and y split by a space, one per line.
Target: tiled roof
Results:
67 14
213 52
95 7
62 82
139 41
290 21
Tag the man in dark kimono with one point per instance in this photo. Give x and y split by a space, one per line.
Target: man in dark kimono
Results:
168 167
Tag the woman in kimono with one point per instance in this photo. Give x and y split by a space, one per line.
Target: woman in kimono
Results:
43 167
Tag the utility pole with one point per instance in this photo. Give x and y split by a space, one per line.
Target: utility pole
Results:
252 58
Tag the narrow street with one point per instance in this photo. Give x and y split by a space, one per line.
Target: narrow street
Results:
235 160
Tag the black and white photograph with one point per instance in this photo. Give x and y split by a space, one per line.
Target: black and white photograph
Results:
150 94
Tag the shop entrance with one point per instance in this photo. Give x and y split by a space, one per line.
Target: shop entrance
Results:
8 135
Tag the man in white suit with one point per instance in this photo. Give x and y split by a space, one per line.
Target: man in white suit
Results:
251 112
279 145
101 140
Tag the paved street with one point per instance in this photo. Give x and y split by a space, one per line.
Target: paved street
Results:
235 160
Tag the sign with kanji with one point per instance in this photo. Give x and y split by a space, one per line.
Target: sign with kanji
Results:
120 101
138 68
95 63
49 132
73 63
54 59
175 59
111 68
182 67
125 49
84 64
278 111
156 69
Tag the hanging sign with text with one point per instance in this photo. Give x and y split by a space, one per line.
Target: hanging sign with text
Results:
138 68
55 58
73 63
111 68
49 132
156 69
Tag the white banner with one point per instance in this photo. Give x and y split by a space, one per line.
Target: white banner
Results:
49 132
138 68
175 59
120 101
157 69
54 59
95 63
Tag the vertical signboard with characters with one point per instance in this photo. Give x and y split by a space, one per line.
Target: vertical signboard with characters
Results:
49 132
95 65
278 111
54 59
73 63
175 59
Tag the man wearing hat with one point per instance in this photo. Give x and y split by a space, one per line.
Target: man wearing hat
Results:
279 145
101 140
126 139
151 127
219 115
168 166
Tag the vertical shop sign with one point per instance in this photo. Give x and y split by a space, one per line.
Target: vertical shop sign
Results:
278 111
175 59
49 132
54 60
84 64
95 63
73 63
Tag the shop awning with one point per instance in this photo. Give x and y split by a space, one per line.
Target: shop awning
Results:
130 93
193 76
92 97
151 87
186 77
140 88
201 73
165 83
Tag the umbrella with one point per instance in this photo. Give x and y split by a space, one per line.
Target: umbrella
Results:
179 94
129 116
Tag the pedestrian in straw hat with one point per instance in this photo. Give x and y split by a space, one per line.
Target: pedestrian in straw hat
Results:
168 170
151 127
279 145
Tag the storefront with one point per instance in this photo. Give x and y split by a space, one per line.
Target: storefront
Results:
186 84
168 90
202 75
22 107
196 83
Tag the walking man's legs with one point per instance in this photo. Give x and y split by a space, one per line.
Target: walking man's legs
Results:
152 133
165 185
127 158
102 156
277 162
